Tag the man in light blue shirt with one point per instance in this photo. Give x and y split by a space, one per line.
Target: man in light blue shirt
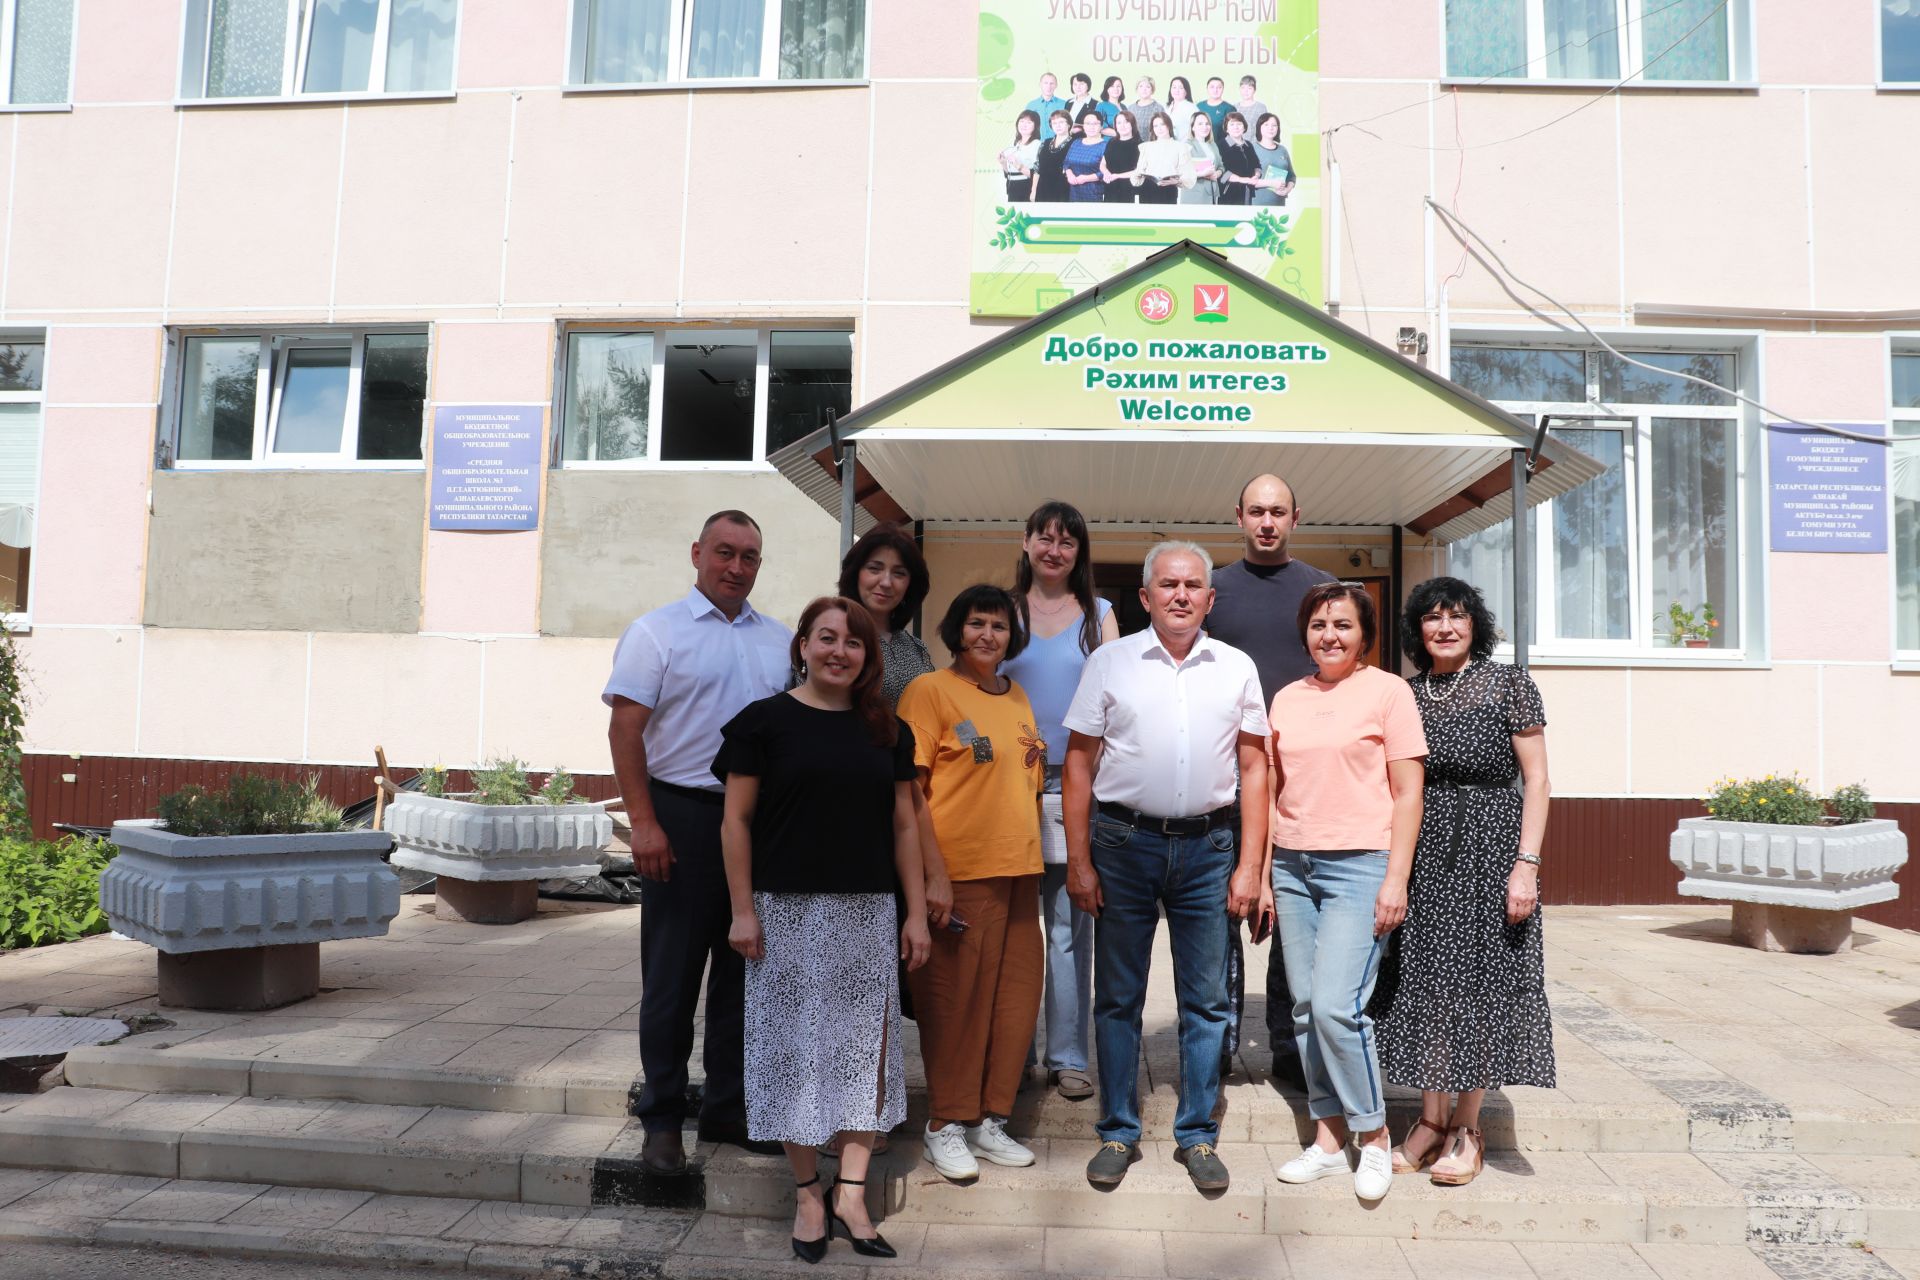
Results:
679 674
1048 102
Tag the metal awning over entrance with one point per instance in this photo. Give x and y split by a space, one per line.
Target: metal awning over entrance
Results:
1154 396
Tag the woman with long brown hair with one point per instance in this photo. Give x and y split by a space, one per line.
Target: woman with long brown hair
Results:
1064 622
818 836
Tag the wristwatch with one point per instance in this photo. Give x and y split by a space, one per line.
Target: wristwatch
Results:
1532 859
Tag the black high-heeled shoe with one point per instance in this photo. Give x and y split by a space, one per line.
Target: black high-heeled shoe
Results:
811 1251
874 1246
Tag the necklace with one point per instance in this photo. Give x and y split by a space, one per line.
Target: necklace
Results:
1054 612
1453 685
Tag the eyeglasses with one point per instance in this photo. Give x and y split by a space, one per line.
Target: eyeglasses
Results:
1433 619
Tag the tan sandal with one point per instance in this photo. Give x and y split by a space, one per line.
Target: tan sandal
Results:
1461 1177
1403 1165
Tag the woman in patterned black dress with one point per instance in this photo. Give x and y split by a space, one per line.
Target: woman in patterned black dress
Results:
1462 1006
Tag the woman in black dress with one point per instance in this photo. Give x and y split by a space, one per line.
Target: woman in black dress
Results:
1049 172
1120 166
1462 1005
1239 162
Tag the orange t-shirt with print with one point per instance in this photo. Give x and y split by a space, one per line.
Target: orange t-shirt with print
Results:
984 764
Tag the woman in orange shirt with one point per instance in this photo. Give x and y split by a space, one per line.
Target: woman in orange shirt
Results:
1348 756
981 763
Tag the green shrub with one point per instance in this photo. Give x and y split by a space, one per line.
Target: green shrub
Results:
559 788
50 890
433 781
251 805
504 781
1774 798
1851 803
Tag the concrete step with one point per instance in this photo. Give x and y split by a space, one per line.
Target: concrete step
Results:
582 1161
1540 1196
43 1215
1254 1108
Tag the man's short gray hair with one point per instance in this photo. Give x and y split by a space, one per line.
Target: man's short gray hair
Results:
1170 547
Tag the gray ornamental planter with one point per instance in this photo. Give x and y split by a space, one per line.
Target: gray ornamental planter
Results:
489 858
238 920
1793 888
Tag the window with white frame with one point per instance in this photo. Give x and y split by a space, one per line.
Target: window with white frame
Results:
1900 42
21 362
291 48
326 398
36 52
698 395
1661 41
1660 526
1905 479
633 42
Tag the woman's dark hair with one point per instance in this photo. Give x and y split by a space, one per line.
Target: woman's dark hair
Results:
1027 115
1133 127
1106 90
1229 118
1322 594
1159 118
868 700
1186 89
1079 578
983 597
1080 77
1102 120
1261 124
893 538
1446 593
1062 115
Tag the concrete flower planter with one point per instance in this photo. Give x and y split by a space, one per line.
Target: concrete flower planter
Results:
490 858
238 921
1792 888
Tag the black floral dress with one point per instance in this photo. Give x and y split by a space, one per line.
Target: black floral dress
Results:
1462 1001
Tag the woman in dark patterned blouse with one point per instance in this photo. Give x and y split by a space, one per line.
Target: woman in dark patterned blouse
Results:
1463 1006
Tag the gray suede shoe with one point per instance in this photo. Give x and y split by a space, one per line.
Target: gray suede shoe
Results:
1203 1166
1109 1164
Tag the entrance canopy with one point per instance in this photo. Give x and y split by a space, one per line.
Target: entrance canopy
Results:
1154 396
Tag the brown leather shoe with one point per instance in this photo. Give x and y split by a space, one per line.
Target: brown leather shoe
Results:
663 1152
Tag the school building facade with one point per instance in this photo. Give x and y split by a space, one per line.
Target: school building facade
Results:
253 249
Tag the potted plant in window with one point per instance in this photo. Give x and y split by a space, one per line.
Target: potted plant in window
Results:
236 890
1794 873
489 848
1686 627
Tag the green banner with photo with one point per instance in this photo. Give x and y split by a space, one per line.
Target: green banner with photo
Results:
1108 129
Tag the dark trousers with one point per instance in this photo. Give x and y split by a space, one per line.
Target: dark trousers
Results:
683 939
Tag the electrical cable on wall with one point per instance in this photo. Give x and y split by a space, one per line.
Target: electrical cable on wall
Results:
1465 234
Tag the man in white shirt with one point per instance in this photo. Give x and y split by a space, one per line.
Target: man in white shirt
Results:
679 674
1164 727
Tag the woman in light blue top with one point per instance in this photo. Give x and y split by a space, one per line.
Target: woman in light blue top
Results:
1065 622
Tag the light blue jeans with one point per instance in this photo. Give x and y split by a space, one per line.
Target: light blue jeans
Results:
1068 1004
1324 901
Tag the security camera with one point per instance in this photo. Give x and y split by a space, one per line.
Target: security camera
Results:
1355 559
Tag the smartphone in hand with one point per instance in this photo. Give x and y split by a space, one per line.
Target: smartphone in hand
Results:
1260 926
955 923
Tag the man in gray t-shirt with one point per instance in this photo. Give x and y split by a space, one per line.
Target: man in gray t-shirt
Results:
1256 609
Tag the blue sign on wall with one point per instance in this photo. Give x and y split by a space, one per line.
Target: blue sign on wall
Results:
1829 493
486 467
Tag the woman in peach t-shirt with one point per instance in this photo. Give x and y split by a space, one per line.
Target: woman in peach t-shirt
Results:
1347 766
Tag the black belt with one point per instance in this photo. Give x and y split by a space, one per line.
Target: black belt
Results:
1193 826
1462 790
690 793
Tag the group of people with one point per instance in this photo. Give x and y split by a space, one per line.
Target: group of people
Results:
830 825
1115 151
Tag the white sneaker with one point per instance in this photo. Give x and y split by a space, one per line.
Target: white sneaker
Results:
1373 1176
947 1152
1313 1164
989 1141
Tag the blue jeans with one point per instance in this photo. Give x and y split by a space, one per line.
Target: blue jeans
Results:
1324 900
1142 873
1069 973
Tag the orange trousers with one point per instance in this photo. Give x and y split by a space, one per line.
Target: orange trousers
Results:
977 999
